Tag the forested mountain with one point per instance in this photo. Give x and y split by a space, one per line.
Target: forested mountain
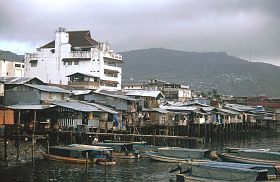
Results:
203 71
10 56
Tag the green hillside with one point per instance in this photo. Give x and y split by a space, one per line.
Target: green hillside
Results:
10 56
203 71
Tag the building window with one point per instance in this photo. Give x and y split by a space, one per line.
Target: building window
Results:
17 65
22 66
68 63
33 63
76 62
115 75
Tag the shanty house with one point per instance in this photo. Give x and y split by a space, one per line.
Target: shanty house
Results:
150 99
126 105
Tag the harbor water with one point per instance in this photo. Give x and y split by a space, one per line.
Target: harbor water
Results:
125 170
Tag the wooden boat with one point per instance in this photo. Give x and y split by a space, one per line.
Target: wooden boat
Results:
162 158
122 150
226 171
252 156
178 154
81 154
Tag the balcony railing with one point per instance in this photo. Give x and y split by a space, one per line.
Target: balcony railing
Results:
80 54
84 84
32 55
113 55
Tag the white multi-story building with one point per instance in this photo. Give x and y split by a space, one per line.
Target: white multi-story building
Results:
75 58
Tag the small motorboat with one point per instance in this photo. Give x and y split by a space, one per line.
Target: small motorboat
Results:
77 153
178 154
225 171
251 156
122 150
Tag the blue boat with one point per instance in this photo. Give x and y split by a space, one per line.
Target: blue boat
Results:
123 150
77 153
225 171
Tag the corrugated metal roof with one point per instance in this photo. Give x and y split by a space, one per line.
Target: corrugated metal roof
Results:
77 106
160 110
188 103
103 108
16 80
80 92
145 93
229 111
176 108
118 96
239 107
47 88
29 107
207 109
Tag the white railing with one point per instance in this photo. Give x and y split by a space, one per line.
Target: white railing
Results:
115 68
80 54
32 55
113 55
109 78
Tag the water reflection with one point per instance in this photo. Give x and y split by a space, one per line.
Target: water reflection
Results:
124 170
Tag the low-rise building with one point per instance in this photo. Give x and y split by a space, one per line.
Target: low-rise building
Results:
11 68
171 91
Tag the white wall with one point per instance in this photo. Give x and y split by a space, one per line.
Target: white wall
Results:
51 69
7 68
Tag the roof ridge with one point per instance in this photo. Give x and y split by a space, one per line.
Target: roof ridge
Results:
78 31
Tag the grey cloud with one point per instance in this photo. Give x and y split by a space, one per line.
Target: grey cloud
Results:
237 27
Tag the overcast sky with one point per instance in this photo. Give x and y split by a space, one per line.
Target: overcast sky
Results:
249 29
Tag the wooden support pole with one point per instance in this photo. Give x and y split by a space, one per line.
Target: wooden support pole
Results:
48 146
5 136
18 133
33 139
86 161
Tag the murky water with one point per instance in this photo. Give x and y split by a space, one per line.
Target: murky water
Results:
124 170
